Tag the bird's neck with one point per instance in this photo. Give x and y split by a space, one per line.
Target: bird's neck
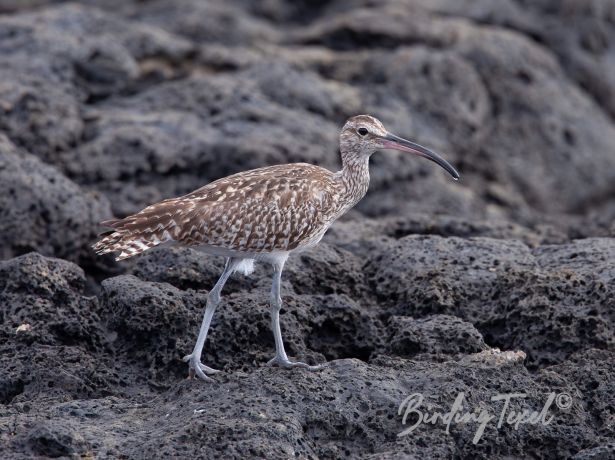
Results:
354 177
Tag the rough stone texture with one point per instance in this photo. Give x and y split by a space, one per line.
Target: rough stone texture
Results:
438 334
543 301
53 340
279 415
62 56
501 283
42 210
149 323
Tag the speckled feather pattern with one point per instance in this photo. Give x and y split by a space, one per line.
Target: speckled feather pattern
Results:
272 209
277 208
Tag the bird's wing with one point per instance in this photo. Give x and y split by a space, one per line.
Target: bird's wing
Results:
267 209
262 210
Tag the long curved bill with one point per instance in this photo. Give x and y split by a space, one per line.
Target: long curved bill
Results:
391 141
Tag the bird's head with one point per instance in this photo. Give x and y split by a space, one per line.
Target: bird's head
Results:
362 135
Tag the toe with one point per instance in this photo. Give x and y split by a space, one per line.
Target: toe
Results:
198 369
301 365
202 375
287 364
298 364
317 367
208 370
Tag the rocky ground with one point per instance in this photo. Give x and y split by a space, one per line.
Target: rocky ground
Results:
501 283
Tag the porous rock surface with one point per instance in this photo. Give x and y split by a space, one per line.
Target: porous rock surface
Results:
502 283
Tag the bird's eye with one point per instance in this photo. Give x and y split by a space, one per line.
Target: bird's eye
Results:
362 131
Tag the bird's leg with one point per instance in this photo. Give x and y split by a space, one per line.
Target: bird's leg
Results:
276 305
213 299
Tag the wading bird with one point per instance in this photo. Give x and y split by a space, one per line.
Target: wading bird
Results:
263 214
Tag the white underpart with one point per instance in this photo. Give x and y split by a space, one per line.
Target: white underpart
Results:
246 266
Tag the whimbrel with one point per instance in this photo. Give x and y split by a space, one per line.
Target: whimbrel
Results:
263 214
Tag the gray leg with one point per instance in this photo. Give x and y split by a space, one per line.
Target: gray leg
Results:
276 305
213 299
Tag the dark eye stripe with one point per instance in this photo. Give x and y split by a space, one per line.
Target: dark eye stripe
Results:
362 131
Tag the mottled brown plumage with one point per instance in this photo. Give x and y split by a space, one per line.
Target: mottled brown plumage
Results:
262 214
277 208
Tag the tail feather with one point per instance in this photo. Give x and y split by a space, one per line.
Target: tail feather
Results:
111 223
150 227
126 245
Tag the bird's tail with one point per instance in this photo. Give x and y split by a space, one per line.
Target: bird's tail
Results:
159 223
128 244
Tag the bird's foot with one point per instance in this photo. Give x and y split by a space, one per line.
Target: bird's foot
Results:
196 367
288 364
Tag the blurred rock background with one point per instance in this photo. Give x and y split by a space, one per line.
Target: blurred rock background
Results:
108 106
